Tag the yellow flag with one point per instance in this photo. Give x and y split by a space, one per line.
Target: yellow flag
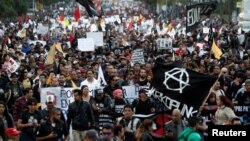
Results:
217 52
59 47
170 26
23 33
49 80
124 42
73 85
51 55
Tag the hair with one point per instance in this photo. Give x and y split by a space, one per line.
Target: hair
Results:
128 106
27 90
30 101
143 128
227 102
107 126
54 111
117 129
192 121
78 91
83 86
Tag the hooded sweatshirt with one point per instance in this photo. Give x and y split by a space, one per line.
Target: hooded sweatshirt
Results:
189 134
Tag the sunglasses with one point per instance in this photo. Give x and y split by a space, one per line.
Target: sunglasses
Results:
107 133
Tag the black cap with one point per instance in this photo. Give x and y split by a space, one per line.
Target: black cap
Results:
98 92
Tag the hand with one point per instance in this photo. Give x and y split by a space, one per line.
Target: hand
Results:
29 124
169 134
52 135
126 129
99 110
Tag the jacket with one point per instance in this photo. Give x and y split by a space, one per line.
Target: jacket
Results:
189 134
80 115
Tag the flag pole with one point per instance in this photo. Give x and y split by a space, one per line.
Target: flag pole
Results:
205 100
95 22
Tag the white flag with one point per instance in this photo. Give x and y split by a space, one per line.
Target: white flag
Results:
101 78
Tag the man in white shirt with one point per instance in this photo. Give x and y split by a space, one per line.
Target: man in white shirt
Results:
91 82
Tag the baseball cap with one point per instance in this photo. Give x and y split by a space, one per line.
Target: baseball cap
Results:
11 131
98 92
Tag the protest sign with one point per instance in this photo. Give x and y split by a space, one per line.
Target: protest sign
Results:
97 36
86 44
138 57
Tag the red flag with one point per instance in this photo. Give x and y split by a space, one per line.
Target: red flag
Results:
77 14
130 25
26 18
99 6
61 17
19 19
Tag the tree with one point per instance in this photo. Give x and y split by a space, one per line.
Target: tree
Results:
7 9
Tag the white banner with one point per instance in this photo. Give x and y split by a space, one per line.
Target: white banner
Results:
164 43
138 57
62 97
86 44
97 37
41 29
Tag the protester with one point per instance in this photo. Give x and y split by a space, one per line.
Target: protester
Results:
225 111
174 127
12 134
80 116
144 131
190 133
6 120
53 128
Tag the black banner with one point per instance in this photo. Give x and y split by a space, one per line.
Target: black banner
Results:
180 88
194 12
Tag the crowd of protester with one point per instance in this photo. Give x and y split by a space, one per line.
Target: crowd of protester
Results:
107 115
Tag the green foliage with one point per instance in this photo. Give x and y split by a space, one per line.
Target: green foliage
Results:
6 9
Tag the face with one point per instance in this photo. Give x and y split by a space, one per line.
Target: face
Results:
2 108
107 133
119 96
142 96
217 86
30 94
176 116
90 74
128 113
247 86
219 102
143 73
57 115
85 91
32 107
62 79
77 97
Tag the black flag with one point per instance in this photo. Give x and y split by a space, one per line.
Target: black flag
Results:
89 6
180 88
194 12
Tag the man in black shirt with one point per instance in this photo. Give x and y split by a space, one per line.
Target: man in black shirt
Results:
53 129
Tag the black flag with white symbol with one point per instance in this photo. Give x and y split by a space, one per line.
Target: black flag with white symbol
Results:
194 12
180 88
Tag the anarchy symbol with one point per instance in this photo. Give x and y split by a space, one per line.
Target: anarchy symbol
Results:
172 75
